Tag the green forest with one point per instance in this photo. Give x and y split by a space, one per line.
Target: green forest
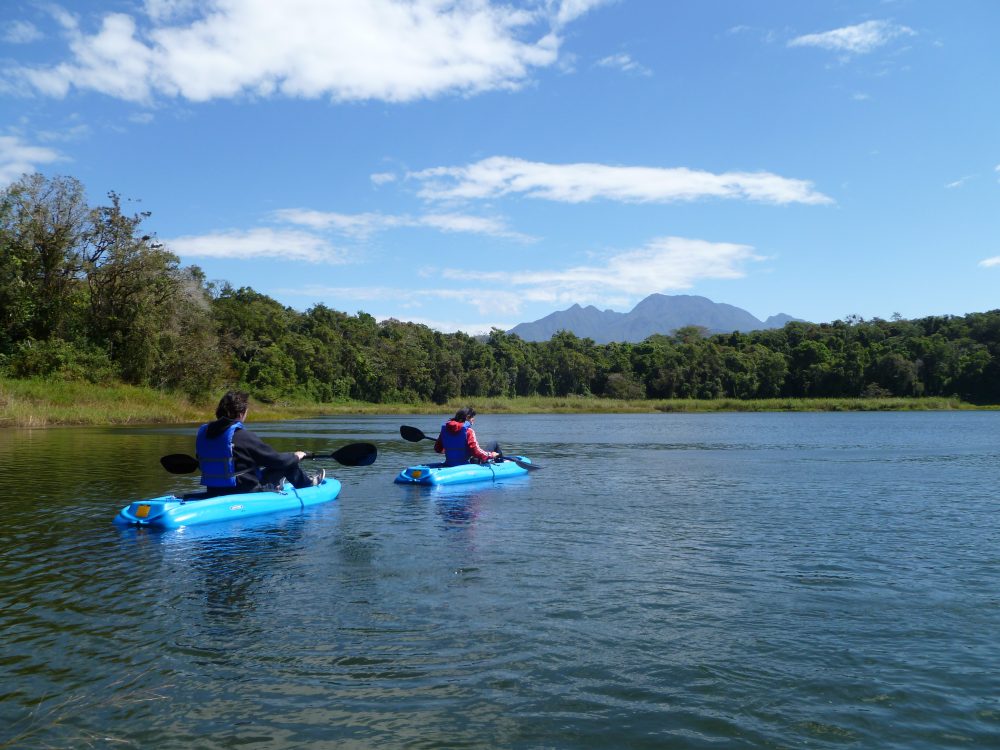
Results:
86 293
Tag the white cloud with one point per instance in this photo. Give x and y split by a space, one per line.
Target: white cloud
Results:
390 50
21 32
578 183
383 178
664 264
72 132
112 61
470 329
365 224
959 182
358 293
473 225
990 262
624 63
858 40
486 301
18 158
570 10
451 326
357 225
165 10
309 246
257 243
766 35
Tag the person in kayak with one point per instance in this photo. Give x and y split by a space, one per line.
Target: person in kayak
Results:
457 440
234 460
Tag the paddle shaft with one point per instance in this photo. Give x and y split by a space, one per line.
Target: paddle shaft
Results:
354 454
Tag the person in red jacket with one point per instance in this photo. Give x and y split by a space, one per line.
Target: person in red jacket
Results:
457 440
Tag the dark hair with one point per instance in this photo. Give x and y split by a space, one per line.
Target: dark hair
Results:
464 415
232 405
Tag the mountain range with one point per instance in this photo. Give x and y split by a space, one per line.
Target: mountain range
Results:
657 313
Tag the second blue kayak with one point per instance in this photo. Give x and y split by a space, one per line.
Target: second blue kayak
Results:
439 474
171 512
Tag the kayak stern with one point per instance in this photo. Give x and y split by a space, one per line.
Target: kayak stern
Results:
147 512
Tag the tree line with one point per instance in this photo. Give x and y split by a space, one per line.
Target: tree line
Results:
86 293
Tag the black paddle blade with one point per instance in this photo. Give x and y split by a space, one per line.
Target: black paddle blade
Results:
519 462
356 454
413 434
495 447
179 463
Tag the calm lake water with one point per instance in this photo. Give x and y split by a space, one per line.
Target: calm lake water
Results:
682 581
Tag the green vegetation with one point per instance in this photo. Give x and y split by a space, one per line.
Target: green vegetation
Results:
818 404
37 402
44 402
100 323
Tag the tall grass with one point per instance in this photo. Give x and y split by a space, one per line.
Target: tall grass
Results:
41 403
815 404
38 403
45 403
586 405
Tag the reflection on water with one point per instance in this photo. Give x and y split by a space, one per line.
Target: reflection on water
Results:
458 513
456 506
667 580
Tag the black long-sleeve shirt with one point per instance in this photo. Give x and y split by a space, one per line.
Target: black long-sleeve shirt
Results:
250 453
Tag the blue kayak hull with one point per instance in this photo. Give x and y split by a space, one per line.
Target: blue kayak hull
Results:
171 512
439 474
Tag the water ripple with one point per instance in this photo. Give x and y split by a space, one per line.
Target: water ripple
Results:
821 581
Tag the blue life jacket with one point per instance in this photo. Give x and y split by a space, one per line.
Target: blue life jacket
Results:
216 456
456 446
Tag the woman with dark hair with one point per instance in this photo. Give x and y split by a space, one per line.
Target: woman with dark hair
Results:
235 460
457 440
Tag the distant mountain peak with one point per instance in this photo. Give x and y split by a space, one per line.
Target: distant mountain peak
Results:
657 313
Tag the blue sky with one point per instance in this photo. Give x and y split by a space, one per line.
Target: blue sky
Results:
468 164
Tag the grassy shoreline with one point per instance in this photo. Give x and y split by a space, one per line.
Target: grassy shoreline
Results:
44 403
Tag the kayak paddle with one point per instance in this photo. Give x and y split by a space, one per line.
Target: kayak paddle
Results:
179 463
415 436
354 454
523 464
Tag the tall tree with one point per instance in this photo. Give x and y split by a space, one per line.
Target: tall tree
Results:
134 285
44 226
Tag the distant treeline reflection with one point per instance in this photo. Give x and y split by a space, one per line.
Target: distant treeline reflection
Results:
86 294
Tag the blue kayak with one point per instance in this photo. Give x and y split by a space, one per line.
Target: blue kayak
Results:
439 474
171 512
